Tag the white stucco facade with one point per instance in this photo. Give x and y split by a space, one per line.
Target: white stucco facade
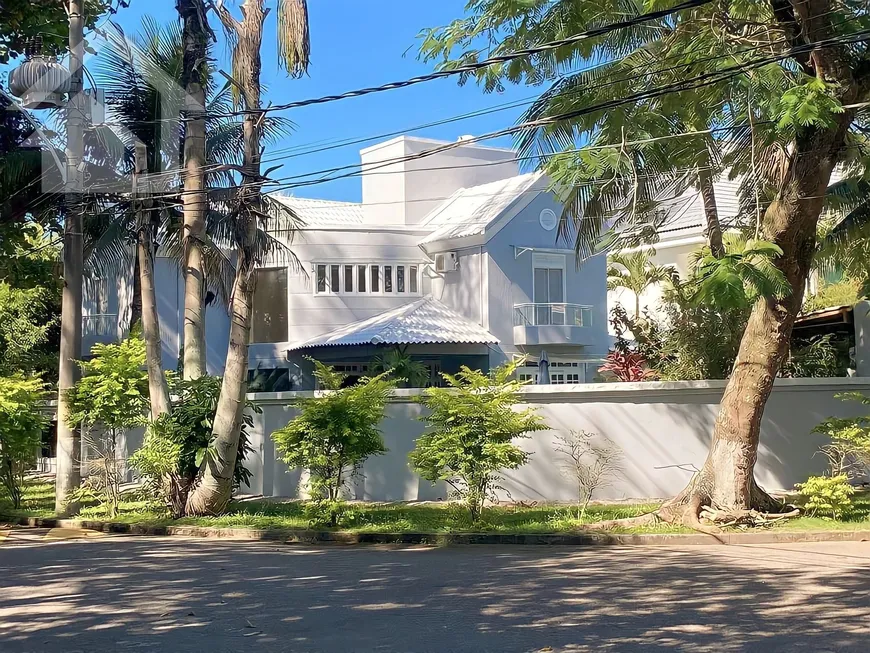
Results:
450 221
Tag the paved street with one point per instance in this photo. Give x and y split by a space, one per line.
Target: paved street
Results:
108 593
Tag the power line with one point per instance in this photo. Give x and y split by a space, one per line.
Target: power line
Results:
705 79
486 63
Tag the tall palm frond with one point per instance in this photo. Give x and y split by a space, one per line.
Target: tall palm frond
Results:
140 77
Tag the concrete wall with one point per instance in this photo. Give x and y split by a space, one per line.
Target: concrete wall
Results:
662 428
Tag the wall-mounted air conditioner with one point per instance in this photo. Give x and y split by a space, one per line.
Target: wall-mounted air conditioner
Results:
446 262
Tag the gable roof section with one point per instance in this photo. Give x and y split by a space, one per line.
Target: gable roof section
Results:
425 321
686 212
471 211
322 213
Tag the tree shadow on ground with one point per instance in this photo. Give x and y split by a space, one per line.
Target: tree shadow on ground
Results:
115 594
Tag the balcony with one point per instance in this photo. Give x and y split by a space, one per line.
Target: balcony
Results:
552 324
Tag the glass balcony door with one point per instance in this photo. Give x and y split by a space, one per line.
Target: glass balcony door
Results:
549 296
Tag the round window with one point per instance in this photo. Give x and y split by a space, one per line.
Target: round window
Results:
549 220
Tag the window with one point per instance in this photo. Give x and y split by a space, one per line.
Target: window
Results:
400 278
549 288
367 279
270 315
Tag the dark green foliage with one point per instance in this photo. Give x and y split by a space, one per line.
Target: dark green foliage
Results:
472 426
820 356
398 364
21 20
333 435
178 443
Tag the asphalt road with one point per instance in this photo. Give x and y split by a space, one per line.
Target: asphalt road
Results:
175 595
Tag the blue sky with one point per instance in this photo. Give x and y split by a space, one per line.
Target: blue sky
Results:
356 43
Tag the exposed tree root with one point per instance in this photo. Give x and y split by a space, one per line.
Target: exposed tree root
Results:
694 509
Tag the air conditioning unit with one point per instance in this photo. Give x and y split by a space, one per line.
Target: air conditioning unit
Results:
446 262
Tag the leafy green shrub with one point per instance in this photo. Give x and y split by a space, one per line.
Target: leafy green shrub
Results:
177 443
472 425
821 356
849 450
111 398
827 495
333 435
21 425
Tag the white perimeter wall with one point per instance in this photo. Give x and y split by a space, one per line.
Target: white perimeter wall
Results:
663 429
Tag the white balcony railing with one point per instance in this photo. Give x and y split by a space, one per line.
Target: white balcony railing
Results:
100 325
552 315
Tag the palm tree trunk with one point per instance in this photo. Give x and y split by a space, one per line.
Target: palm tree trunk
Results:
726 481
711 211
215 488
158 390
136 299
195 196
68 475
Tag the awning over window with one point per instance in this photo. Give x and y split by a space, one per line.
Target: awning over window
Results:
426 321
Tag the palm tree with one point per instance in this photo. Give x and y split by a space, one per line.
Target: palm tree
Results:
140 77
635 272
215 488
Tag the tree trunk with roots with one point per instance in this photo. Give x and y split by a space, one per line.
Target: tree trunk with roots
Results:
726 482
214 490
195 197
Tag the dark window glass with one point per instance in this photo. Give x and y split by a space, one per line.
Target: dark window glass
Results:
360 278
388 278
321 278
400 278
334 274
270 315
348 278
412 278
376 281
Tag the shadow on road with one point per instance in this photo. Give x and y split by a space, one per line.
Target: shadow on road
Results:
178 595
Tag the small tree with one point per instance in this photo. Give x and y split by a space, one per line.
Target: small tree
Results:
111 398
472 425
334 434
849 450
21 426
178 443
591 465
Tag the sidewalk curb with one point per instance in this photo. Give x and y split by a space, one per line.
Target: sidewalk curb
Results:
590 538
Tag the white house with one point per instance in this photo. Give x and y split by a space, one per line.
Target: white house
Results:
451 256
682 232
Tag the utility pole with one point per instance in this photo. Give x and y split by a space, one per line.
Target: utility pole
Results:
68 474
158 389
